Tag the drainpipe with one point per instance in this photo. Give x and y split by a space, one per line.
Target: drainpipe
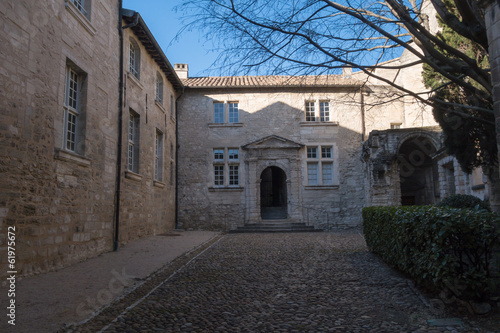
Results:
362 101
120 123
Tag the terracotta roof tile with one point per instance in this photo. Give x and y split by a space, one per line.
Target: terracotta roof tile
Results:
270 81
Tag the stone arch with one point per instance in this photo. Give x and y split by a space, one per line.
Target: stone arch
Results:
273 193
417 169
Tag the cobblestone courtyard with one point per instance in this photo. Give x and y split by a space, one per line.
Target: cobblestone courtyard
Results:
309 282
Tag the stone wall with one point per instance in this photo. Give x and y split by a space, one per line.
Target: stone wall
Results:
59 181
147 199
265 114
59 201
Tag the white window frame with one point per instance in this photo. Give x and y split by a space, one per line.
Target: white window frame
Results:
318 111
234 177
133 142
172 107
310 111
83 6
71 109
159 155
233 112
320 166
159 88
226 167
134 64
219 175
73 138
324 111
218 113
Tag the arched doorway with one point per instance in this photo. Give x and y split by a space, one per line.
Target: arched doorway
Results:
417 172
273 196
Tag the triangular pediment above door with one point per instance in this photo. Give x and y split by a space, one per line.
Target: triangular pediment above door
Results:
273 141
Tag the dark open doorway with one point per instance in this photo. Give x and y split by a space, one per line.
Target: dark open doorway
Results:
273 196
417 172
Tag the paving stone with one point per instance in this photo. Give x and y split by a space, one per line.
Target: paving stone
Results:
310 282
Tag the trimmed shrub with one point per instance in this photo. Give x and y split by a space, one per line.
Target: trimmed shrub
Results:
439 247
464 201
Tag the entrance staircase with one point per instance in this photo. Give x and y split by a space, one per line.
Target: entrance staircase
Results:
275 226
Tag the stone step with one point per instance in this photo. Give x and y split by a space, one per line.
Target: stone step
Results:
275 227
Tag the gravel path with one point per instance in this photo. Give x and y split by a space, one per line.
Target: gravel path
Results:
308 282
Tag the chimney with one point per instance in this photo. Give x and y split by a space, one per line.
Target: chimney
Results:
347 72
181 70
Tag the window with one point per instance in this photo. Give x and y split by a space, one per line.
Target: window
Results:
395 125
312 152
319 167
232 110
318 111
218 175
83 6
327 173
223 162
172 164
324 111
133 142
310 112
218 154
134 59
172 107
159 88
233 175
234 115
74 124
326 152
312 173
233 155
159 156
218 112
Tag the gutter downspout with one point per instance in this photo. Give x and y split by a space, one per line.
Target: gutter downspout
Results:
120 124
363 126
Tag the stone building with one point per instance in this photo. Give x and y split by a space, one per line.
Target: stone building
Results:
262 148
69 76
102 141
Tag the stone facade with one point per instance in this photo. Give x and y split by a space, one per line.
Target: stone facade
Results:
59 110
148 186
59 200
272 131
102 142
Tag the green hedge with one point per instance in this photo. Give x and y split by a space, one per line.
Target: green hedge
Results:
464 201
438 247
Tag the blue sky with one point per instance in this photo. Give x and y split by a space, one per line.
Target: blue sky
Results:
165 23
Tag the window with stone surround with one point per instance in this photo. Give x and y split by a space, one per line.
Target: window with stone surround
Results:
226 159
83 6
133 142
172 107
159 88
317 111
74 109
134 64
219 113
172 164
319 160
324 111
310 111
233 112
222 108
159 155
